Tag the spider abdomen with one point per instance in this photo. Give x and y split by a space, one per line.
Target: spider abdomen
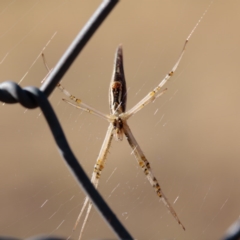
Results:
116 97
117 91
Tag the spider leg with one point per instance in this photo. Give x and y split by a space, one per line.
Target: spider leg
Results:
140 105
161 93
85 219
89 109
45 63
145 165
81 212
152 95
77 102
101 159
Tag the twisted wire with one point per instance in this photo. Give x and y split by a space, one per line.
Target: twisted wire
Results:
32 97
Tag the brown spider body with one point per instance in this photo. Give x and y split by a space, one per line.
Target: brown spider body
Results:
118 95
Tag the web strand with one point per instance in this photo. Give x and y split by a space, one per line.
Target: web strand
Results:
39 55
205 12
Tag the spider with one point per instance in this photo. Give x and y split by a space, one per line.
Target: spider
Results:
118 126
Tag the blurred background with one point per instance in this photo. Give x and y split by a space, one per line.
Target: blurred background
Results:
190 135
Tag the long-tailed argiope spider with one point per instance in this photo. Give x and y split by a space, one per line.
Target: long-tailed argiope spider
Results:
118 125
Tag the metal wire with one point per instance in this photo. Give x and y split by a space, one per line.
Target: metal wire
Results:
31 97
233 233
77 45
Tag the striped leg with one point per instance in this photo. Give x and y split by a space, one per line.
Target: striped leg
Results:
155 92
145 165
77 102
96 175
80 105
152 95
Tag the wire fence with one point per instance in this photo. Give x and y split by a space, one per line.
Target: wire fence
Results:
32 97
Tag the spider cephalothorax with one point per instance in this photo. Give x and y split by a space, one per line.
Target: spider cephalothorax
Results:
118 127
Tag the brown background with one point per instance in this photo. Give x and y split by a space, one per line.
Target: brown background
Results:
192 141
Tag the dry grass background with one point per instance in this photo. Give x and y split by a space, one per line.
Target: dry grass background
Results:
191 135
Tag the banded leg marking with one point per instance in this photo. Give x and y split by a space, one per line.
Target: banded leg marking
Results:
145 165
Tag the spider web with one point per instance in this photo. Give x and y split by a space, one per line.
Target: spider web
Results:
190 135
